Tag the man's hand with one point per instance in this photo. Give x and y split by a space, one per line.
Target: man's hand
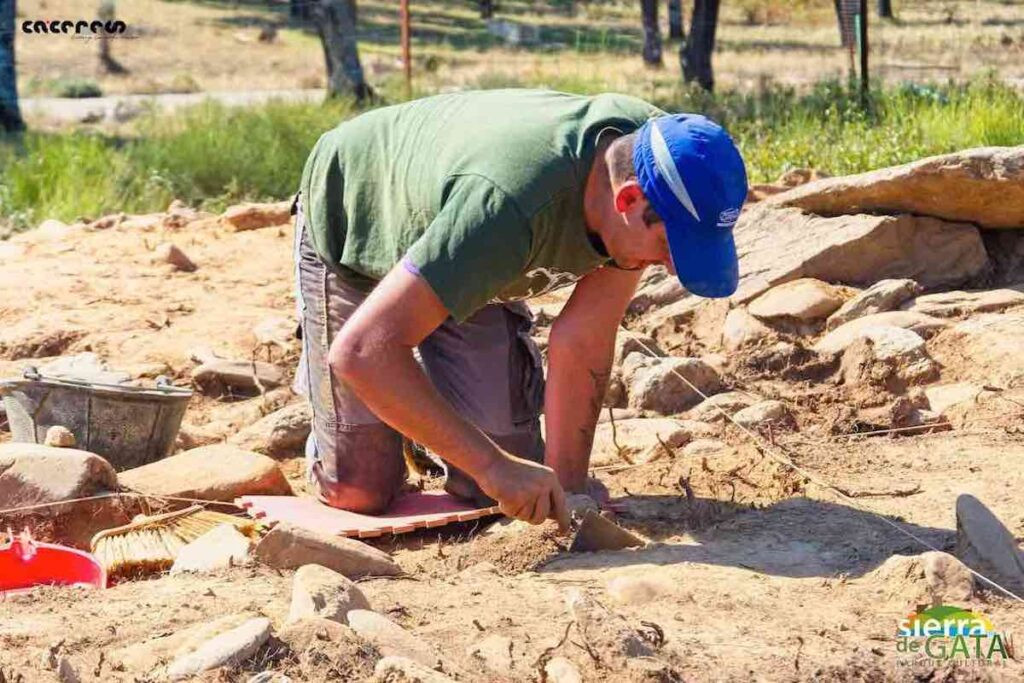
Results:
525 490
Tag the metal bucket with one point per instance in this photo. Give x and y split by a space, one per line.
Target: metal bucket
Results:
129 426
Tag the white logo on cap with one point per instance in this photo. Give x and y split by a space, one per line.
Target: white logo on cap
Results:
667 168
728 218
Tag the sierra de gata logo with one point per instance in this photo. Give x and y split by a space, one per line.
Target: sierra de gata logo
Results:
79 27
949 633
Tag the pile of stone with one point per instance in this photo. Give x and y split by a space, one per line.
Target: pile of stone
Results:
854 281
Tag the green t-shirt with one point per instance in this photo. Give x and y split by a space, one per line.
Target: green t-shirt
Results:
480 192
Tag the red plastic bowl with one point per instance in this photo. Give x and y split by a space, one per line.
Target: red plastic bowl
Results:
26 563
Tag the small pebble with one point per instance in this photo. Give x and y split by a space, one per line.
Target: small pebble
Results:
170 253
58 436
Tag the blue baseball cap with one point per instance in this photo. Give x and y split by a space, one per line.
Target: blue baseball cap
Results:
694 178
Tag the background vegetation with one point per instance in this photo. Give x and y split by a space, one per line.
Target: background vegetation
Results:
779 68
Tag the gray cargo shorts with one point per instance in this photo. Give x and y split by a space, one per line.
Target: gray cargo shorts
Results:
488 368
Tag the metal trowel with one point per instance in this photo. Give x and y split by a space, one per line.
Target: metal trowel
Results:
594 532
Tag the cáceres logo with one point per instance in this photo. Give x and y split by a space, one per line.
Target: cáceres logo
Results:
945 633
78 28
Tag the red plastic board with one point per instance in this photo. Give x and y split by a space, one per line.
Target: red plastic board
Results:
410 511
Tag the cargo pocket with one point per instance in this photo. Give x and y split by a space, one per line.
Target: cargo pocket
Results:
526 369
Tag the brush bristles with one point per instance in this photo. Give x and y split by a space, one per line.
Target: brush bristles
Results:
150 549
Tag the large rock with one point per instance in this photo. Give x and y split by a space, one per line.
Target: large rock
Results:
985 545
209 473
742 329
227 649
288 546
777 245
992 342
942 397
320 592
888 356
947 304
143 657
390 639
255 216
637 438
838 339
960 402
805 299
671 317
33 473
983 186
884 295
663 385
280 434
218 376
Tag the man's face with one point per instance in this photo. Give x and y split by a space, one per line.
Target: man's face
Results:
641 241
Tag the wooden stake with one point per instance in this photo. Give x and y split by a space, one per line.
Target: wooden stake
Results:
403 13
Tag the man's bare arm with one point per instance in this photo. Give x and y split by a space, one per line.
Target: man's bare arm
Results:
373 354
580 352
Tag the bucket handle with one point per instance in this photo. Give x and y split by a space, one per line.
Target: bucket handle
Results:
163 383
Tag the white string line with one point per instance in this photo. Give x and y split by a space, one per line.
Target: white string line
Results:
765 448
113 494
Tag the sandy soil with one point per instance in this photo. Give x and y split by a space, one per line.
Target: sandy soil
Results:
759 574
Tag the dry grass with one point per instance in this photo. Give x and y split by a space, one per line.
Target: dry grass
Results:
212 45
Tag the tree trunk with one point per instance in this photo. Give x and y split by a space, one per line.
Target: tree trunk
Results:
486 9
10 113
107 12
299 9
695 51
652 35
885 9
675 19
336 23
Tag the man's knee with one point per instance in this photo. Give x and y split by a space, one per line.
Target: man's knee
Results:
361 469
357 498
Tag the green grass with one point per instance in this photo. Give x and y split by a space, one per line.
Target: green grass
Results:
207 156
212 156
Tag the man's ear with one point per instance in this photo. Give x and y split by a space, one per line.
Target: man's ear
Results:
627 196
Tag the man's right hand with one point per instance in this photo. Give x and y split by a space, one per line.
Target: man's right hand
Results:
525 490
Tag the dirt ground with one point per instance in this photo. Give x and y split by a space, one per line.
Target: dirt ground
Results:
755 573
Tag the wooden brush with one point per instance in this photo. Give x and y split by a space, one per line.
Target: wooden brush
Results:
150 544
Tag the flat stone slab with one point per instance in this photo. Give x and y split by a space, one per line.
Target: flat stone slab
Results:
948 304
227 649
216 472
985 545
838 339
33 473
